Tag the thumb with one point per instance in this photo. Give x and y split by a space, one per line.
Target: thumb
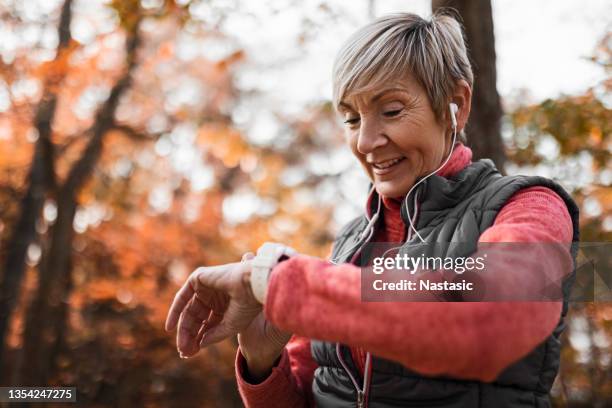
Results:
247 256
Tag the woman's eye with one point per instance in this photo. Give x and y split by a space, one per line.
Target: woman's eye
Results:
351 121
392 113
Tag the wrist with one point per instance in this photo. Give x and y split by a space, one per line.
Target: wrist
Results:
268 256
261 357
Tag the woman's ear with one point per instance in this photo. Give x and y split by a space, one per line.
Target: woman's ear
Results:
462 97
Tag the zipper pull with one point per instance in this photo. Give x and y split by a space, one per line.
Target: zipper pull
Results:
360 399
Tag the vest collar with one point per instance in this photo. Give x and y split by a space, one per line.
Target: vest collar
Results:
441 190
440 193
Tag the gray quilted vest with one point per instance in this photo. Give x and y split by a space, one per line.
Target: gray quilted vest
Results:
457 209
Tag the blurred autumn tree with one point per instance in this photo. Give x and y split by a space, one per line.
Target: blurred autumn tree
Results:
120 157
570 139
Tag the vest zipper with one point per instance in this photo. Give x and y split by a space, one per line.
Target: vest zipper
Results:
361 391
364 391
360 399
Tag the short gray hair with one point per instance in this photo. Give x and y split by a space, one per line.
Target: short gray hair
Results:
433 51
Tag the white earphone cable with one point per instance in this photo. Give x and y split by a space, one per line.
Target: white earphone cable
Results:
425 178
367 232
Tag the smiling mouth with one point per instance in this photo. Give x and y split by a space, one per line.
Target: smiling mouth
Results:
387 164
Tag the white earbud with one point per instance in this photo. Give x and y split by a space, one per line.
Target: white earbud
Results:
453 112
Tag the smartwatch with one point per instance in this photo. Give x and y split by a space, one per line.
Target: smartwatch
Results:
268 256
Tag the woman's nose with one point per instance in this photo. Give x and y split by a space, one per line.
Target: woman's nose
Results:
371 136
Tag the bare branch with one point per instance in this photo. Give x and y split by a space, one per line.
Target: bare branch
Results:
135 134
104 120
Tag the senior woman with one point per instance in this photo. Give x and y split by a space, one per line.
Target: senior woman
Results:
403 86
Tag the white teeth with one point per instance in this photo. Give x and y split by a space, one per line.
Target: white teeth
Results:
387 163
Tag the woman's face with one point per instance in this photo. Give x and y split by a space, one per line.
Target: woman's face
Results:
395 135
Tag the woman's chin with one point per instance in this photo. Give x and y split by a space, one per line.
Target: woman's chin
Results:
389 188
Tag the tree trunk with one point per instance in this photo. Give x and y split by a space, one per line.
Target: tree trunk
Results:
49 308
39 335
484 126
40 178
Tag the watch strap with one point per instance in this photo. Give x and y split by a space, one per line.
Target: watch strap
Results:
268 256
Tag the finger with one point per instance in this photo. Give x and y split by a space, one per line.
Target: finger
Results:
234 320
206 313
216 334
186 337
201 333
213 320
247 256
198 309
190 322
220 277
178 304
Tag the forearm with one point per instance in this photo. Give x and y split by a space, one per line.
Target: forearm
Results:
466 340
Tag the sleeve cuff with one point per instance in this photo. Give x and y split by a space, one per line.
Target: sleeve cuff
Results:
277 377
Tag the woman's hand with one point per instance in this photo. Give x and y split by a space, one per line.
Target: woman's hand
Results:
261 343
214 304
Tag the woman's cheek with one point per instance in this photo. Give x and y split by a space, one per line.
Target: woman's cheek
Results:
352 142
415 160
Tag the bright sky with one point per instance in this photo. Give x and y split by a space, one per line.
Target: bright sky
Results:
540 44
